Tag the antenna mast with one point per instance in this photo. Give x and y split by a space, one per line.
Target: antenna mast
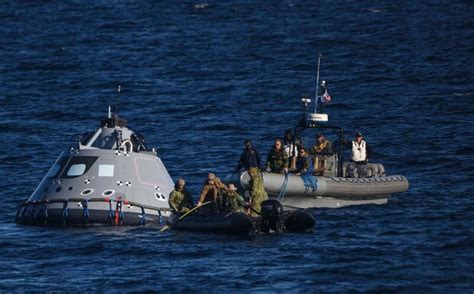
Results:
316 100
118 98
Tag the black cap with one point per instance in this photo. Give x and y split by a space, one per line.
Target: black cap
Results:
288 131
358 134
319 135
247 141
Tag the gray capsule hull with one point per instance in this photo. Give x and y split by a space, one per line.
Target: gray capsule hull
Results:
331 192
103 181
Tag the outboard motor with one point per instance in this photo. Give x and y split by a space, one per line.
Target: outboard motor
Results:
272 216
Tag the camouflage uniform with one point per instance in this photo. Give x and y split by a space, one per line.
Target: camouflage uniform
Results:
250 160
257 191
180 201
235 202
277 160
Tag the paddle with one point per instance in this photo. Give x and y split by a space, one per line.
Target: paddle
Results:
184 215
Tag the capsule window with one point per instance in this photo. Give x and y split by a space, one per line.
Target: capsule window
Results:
87 192
78 165
106 170
76 170
108 192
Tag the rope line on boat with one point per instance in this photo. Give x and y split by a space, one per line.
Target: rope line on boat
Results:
110 216
310 183
283 188
85 212
143 217
45 214
39 210
118 220
64 212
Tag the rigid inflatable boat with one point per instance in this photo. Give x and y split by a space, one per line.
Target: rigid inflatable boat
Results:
328 184
332 192
272 219
109 177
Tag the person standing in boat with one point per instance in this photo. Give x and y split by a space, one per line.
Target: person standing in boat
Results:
360 154
291 146
250 160
211 191
322 146
180 200
319 150
235 202
277 159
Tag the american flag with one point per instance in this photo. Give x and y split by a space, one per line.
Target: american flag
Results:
326 98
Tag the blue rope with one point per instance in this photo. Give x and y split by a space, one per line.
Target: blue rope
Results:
46 213
310 183
142 220
34 212
120 212
64 213
24 212
111 212
85 211
283 188
18 213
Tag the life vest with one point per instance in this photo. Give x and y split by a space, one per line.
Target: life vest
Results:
277 160
291 150
320 147
359 152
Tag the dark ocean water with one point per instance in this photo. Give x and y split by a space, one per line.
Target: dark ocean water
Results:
199 78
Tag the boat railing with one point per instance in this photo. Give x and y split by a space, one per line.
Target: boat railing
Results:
325 165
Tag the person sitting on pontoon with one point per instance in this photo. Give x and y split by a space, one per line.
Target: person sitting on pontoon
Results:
304 166
277 159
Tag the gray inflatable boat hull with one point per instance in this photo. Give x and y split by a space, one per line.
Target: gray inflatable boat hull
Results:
331 192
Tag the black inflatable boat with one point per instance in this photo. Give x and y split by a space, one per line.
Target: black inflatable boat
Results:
272 219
